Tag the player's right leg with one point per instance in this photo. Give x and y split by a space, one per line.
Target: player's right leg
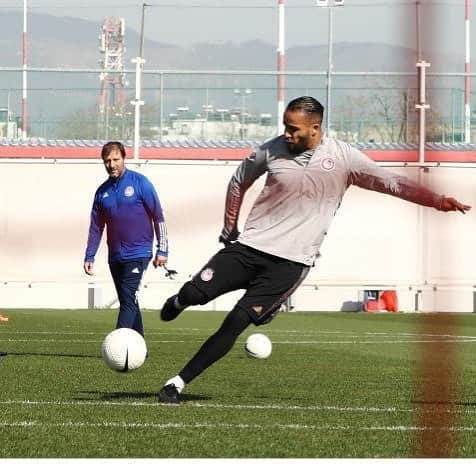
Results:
189 295
127 277
213 280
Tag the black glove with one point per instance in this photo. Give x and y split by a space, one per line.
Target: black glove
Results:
227 238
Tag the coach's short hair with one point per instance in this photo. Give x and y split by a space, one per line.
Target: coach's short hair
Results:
110 146
308 105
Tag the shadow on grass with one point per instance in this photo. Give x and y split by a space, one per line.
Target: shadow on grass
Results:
94 395
43 354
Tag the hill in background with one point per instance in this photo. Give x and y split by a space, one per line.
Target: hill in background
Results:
72 42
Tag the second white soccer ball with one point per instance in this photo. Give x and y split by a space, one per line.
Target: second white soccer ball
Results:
258 346
124 350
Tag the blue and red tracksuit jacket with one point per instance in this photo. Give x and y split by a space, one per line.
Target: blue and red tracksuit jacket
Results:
130 209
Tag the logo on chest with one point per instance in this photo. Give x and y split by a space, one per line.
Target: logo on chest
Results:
328 164
129 191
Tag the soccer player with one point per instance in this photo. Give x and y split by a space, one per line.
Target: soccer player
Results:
307 176
128 205
3 318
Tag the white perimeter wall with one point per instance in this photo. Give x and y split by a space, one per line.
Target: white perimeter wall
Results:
375 241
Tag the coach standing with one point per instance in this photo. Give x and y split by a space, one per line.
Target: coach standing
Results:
129 206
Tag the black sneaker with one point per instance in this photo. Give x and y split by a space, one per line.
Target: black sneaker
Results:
169 312
169 394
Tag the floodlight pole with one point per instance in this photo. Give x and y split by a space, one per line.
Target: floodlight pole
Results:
418 30
422 106
330 5
422 238
161 119
329 71
137 103
422 212
24 110
467 78
281 65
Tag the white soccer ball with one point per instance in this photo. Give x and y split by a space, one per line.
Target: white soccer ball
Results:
258 346
124 350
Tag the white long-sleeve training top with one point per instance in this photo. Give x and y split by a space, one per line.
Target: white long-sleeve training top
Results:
302 193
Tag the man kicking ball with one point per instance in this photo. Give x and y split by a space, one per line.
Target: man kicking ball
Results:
307 177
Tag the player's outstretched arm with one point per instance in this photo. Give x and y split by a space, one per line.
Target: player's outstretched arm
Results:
450 204
367 174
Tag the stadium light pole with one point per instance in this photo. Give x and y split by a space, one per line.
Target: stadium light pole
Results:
329 4
243 93
281 65
24 122
161 108
422 214
421 104
137 102
467 70
222 112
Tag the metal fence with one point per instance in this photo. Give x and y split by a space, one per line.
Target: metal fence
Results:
366 107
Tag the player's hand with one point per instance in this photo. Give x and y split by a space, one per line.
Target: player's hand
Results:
228 237
159 261
450 204
89 268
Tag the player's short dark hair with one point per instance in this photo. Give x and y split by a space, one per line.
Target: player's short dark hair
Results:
110 146
308 105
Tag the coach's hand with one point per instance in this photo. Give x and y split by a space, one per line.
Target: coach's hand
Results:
89 268
450 204
228 237
159 261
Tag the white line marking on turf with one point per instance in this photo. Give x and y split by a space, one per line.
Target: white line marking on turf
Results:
314 342
80 341
237 426
271 332
228 406
287 342
396 337
208 405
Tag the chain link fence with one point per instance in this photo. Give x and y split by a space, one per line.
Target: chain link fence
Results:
366 107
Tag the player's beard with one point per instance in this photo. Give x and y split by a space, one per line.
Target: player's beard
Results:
297 147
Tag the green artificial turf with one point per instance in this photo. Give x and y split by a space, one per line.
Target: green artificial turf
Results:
336 385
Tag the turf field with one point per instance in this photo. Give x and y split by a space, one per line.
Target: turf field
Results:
336 385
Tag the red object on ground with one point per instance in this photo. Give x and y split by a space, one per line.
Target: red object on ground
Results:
387 301
374 306
390 300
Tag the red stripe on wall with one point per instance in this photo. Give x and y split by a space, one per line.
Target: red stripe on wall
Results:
172 153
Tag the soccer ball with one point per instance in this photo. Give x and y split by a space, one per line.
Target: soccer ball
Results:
258 346
124 350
